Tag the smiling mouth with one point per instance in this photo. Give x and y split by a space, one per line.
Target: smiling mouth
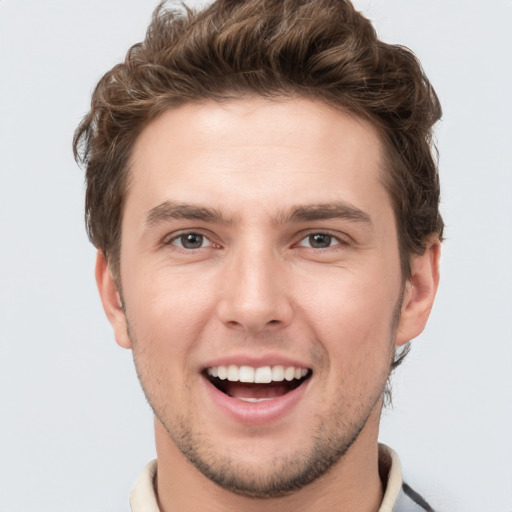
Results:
259 384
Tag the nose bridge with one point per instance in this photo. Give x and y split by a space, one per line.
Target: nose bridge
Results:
254 292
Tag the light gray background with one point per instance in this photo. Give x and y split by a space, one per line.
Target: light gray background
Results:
75 428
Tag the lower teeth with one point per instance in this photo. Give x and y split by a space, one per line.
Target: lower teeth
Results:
254 399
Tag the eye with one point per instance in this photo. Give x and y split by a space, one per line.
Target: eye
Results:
319 241
190 241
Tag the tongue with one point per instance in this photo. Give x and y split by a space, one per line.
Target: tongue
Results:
246 390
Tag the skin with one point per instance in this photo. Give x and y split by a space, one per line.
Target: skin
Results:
257 289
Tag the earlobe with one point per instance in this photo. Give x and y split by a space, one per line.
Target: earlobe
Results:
419 294
111 301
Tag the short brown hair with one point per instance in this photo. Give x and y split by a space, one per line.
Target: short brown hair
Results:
319 49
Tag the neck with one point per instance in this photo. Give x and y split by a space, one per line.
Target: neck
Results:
352 484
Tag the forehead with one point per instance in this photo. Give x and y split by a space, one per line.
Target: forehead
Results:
269 154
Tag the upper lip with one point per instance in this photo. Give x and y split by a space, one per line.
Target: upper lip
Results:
256 361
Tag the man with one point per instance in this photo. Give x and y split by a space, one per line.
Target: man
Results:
264 200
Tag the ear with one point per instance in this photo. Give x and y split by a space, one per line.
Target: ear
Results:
111 300
419 294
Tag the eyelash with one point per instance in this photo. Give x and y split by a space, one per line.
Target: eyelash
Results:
332 237
177 237
339 241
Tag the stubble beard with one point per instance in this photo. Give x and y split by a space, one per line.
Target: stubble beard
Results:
284 473
279 476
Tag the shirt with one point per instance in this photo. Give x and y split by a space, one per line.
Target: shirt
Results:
398 496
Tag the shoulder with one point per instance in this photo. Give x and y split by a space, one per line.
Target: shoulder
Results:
410 501
398 496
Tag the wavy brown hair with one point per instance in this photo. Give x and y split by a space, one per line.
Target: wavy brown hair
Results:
319 49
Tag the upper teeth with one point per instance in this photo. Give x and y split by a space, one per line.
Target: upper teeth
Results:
260 375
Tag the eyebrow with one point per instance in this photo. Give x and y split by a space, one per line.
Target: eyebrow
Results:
184 211
325 211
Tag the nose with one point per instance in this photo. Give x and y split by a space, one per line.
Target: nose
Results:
255 296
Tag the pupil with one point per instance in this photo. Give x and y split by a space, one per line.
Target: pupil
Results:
192 241
320 240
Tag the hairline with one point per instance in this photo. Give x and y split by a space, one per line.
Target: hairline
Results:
385 157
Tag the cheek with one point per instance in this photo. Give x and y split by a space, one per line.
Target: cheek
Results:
166 310
353 320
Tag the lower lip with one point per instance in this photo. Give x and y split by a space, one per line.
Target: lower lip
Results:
256 413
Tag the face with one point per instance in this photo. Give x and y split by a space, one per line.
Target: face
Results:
261 287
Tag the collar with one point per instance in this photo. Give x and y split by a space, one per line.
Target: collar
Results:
390 471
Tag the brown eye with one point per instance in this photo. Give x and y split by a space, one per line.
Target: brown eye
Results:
320 240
